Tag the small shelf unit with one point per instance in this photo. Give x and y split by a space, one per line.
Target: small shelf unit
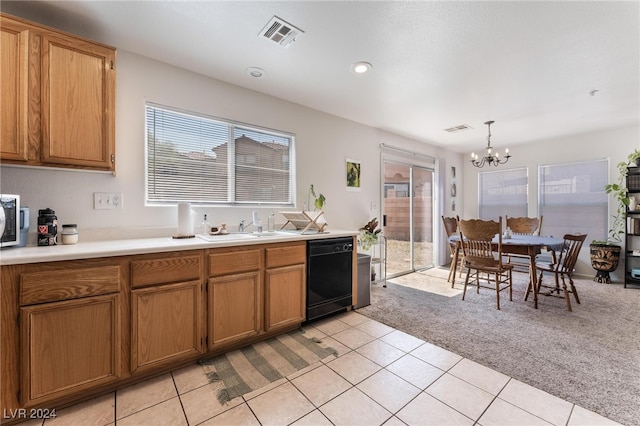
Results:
379 261
632 231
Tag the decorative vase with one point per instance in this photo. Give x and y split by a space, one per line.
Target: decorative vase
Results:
604 259
633 204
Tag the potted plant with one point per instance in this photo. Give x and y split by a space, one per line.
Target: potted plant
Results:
319 200
368 238
605 255
369 234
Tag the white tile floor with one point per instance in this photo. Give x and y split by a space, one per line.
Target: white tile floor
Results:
381 376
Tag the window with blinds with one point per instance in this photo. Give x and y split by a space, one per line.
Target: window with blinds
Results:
503 192
572 199
199 159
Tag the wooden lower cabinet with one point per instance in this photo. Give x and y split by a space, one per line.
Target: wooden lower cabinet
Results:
166 324
285 285
69 346
234 307
255 291
73 329
284 296
234 304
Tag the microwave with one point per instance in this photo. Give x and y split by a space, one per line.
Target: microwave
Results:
9 220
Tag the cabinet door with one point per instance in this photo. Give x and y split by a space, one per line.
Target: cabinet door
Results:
166 324
69 346
77 90
14 69
284 296
234 307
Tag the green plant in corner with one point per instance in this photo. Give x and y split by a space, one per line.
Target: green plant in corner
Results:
619 191
319 200
369 234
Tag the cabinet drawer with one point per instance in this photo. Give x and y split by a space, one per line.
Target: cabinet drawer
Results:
51 286
291 254
165 270
230 262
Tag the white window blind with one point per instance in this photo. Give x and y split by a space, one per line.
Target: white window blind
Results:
200 159
572 199
503 192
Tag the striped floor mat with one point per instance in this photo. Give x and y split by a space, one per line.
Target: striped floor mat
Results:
247 369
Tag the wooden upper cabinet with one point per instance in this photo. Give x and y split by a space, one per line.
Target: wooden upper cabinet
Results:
77 102
59 108
14 43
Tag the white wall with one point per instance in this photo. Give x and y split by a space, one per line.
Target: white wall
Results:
614 144
323 142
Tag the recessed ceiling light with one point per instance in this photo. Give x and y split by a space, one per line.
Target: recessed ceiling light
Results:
361 67
255 72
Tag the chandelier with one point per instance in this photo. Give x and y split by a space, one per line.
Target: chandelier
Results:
490 158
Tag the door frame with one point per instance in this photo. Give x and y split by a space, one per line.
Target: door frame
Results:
399 156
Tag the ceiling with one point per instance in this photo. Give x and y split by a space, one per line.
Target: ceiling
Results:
530 66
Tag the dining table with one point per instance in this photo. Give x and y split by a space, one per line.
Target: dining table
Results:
527 245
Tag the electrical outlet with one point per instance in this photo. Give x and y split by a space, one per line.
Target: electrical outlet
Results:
107 200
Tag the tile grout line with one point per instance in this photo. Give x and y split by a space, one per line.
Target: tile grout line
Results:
175 386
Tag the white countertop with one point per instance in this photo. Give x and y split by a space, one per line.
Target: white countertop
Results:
107 248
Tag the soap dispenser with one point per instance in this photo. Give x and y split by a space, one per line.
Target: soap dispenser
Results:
205 226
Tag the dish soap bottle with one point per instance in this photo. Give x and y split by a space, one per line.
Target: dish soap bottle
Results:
205 226
271 222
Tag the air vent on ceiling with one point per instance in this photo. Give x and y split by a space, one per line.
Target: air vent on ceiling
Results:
459 128
281 32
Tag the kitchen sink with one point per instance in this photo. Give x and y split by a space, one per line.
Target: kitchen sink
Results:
227 237
270 233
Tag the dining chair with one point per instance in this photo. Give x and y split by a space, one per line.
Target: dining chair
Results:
562 265
451 228
481 257
522 226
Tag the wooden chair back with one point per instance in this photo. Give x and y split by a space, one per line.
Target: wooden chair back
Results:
476 236
524 225
450 225
562 267
568 257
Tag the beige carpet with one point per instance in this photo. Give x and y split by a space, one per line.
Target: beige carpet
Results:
590 357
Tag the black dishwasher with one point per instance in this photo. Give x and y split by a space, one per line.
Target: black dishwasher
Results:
329 276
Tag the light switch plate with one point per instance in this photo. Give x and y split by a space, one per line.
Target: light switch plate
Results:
107 200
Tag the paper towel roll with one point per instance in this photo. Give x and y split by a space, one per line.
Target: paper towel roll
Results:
185 220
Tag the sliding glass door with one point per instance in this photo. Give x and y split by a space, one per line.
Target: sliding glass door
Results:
408 217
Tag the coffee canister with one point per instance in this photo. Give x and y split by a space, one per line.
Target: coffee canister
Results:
47 227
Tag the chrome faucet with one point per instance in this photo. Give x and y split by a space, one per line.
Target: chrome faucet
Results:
241 226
